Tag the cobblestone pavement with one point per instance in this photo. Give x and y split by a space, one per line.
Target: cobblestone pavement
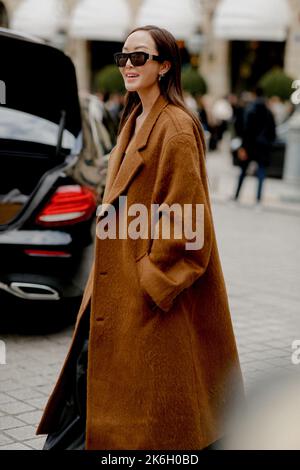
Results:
261 262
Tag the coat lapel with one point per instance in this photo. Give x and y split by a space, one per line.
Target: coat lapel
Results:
121 171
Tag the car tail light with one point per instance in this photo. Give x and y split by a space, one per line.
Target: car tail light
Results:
68 205
48 253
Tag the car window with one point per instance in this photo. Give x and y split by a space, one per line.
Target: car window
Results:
17 125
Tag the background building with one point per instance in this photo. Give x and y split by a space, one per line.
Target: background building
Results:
236 42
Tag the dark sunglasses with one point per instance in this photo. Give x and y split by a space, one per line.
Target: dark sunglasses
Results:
136 58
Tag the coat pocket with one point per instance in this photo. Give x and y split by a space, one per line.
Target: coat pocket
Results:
148 299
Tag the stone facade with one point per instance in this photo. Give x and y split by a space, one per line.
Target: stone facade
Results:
214 57
292 56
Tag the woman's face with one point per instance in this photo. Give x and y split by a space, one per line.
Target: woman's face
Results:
147 75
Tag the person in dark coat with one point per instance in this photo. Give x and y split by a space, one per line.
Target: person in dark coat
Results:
259 133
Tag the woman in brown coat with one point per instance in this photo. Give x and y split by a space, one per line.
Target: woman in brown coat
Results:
162 358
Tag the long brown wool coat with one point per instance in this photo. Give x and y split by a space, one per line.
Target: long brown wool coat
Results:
162 347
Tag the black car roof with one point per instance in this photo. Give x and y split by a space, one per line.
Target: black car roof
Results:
18 35
40 79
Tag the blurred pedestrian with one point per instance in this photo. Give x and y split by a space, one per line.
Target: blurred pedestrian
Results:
202 113
114 105
190 101
259 132
222 114
238 108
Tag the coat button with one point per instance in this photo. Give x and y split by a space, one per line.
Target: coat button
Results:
100 318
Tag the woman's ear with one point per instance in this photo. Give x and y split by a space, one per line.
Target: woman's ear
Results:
166 65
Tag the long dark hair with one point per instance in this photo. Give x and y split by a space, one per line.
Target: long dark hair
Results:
170 85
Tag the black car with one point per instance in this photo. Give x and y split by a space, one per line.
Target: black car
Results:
45 216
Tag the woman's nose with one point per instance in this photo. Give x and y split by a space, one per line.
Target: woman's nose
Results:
130 64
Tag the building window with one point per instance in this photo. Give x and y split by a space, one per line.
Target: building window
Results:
251 59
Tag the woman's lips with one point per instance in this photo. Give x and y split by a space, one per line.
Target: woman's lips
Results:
131 78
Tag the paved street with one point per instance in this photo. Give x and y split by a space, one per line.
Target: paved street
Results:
261 262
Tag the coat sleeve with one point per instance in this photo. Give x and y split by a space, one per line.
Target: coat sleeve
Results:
170 266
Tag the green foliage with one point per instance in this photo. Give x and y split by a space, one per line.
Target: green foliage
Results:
277 83
192 81
109 79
